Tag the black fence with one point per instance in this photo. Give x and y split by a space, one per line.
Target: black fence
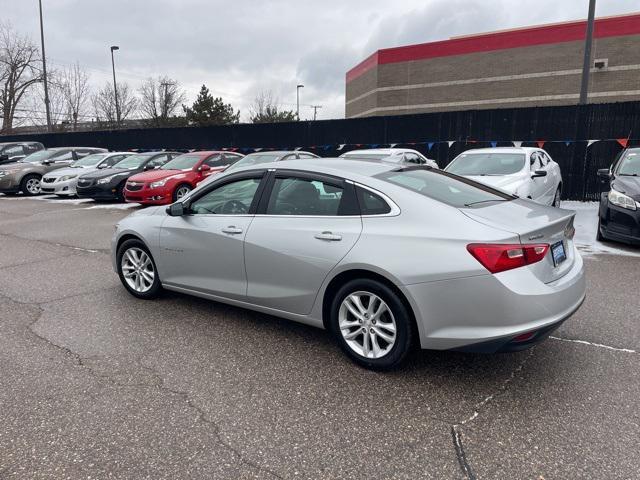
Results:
567 133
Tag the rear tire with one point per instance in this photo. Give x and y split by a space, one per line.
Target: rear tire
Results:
30 185
371 324
137 270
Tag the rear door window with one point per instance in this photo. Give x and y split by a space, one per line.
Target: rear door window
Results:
304 196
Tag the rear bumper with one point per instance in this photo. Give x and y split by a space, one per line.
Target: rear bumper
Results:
488 311
619 224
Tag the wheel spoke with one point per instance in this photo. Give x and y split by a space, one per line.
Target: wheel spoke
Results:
148 276
358 303
352 335
374 344
387 326
347 324
386 337
382 307
365 344
352 308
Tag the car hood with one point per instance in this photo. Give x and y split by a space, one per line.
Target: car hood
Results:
155 175
507 183
108 172
70 171
628 185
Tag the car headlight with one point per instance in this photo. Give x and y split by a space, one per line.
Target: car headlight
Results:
159 183
64 178
104 180
622 200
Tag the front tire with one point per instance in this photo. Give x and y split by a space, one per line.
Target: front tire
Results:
30 185
137 270
372 324
180 191
556 198
599 236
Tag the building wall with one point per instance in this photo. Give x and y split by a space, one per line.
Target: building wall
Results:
540 75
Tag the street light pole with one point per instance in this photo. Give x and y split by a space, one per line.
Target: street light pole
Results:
298 87
44 71
586 66
115 87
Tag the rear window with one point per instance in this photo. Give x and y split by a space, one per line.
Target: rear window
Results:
450 189
487 164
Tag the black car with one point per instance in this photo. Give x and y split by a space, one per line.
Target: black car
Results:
619 216
108 183
13 151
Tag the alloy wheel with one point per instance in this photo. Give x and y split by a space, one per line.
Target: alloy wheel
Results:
137 269
182 191
367 324
33 186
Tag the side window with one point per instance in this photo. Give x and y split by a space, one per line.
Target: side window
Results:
233 198
63 157
301 196
546 157
306 155
371 204
536 161
215 161
111 161
159 161
413 158
14 151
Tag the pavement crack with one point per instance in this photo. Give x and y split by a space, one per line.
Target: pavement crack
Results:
461 456
598 345
202 416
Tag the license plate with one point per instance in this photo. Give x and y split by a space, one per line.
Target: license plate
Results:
559 255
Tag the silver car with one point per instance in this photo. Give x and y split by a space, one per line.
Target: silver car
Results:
63 182
394 155
378 254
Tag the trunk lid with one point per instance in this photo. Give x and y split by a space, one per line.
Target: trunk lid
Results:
533 223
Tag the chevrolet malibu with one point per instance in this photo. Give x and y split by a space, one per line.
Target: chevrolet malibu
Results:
379 254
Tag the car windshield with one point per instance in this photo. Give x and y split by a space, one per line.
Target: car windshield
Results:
89 160
42 155
182 162
255 159
132 162
630 165
487 164
444 187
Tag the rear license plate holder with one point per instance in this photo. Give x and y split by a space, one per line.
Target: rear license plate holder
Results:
558 253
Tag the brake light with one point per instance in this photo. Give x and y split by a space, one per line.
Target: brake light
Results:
500 257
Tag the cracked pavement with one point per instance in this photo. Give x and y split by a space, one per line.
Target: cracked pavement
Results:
97 384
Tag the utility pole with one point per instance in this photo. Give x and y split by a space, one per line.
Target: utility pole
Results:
44 71
298 87
586 66
115 87
315 111
164 113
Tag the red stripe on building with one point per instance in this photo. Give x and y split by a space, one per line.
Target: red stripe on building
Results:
524 37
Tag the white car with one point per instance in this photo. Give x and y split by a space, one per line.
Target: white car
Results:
393 155
63 182
524 171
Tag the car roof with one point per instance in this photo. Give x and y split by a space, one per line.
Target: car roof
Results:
383 151
340 167
503 150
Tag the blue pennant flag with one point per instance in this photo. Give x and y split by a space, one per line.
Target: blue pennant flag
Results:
326 147
374 145
430 144
494 144
568 142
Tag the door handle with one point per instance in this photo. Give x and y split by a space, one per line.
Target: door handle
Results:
232 229
328 236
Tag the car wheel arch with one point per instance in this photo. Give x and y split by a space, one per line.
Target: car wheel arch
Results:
130 236
357 273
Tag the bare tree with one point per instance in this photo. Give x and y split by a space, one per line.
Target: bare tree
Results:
264 109
73 83
19 71
159 100
104 104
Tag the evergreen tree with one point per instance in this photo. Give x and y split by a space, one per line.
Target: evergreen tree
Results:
207 110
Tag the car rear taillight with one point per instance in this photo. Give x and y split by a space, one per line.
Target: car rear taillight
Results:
497 257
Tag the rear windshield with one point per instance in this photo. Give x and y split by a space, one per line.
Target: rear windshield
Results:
450 189
132 162
255 159
487 164
366 156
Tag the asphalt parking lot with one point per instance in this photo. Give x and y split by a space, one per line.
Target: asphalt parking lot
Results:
97 384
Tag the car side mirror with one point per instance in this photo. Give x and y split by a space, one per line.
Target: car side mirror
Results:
46 162
539 173
604 173
176 209
204 168
148 167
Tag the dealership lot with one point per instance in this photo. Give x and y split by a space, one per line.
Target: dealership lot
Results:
98 384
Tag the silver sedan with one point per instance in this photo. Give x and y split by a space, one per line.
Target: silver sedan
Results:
383 256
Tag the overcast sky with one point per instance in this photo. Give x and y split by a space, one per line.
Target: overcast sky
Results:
238 48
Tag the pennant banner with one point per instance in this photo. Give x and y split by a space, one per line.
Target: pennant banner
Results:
341 146
451 142
517 143
430 145
494 144
540 143
623 141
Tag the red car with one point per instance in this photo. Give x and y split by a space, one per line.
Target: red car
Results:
176 178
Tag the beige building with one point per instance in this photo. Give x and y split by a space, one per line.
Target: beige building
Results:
533 66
